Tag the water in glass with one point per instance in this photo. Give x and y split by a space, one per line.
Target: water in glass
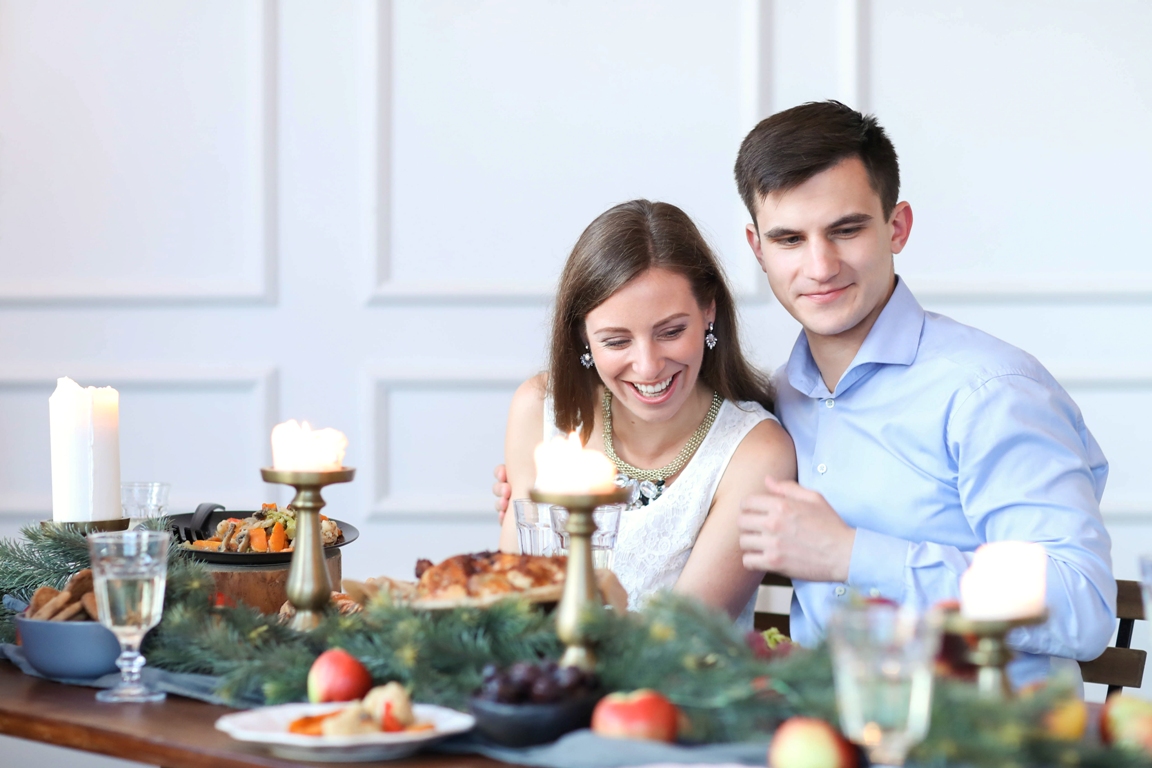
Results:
129 570
882 659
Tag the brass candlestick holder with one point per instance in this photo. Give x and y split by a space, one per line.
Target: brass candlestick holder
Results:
990 652
308 587
580 591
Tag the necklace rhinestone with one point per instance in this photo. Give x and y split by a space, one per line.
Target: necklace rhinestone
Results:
652 480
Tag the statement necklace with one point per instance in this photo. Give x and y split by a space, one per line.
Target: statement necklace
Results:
652 480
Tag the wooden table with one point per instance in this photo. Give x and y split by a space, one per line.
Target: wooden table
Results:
178 733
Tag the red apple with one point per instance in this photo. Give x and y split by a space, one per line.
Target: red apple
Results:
337 675
1118 712
806 742
643 714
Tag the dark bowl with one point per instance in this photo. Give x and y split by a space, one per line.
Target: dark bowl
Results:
523 725
73 650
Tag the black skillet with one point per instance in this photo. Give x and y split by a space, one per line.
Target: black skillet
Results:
202 523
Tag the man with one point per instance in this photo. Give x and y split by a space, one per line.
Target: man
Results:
917 438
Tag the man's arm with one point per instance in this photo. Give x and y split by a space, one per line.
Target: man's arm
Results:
1027 470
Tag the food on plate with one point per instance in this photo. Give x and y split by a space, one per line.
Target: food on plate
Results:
345 604
386 708
486 574
642 714
539 683
482 578
337 675
1126 720
806 742
270 530
76 602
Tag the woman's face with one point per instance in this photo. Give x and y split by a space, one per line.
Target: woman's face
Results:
648 343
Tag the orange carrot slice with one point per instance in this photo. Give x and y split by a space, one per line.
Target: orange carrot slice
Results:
279 538
258 538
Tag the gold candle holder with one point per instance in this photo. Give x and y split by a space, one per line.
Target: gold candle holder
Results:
308 588
990 652
580 591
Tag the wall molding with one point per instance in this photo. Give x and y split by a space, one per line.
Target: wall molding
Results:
263 381
1025 289
854 71
431 506
60 291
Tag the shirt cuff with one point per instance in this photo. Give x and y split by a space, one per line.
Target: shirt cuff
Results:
877 565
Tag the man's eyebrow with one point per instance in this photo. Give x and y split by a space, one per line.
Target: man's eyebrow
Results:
777 232
852 218
666 320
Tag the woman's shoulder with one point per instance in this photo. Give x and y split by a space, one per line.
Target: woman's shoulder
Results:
530 395
766 448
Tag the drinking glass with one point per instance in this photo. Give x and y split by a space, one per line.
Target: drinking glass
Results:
533 529
141 501
607 519
882 662
129 569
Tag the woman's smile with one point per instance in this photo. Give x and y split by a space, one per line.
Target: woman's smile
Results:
655 394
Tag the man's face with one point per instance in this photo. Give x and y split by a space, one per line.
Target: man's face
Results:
827 250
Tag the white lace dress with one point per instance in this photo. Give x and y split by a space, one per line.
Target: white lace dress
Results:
655 541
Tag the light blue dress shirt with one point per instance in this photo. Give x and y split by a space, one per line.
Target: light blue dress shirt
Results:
937 439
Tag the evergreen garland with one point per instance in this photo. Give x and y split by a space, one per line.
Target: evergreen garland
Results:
676 646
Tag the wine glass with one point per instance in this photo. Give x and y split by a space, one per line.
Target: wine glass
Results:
129 569
883 661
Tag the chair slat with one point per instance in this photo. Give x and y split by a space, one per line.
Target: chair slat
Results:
775 580
763 621
1116 666
1129 601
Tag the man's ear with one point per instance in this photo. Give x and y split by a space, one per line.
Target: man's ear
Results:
901 226
754 243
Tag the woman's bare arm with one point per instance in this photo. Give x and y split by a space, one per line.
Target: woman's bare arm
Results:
714 572
525 431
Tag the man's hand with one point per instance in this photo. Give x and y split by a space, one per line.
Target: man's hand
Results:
795 532
502 490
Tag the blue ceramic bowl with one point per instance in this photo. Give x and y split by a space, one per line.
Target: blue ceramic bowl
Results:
74 650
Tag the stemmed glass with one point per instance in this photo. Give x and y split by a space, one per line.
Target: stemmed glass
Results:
883 660
129 570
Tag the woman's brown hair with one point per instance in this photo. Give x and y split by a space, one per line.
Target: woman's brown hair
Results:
620 245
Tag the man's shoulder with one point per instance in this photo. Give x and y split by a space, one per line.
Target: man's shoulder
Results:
971 356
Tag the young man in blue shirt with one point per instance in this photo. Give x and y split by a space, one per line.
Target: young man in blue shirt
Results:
917 438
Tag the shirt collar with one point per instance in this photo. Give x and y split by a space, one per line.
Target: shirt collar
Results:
893 340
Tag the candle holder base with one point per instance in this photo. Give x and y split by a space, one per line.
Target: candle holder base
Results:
988 648
308 588
580 591
91 526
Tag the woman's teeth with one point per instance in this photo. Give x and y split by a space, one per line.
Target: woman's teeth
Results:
651 390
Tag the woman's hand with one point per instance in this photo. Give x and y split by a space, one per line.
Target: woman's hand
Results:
502 490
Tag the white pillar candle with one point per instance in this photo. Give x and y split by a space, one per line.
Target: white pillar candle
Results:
1006 580
299 448
84 426
565 466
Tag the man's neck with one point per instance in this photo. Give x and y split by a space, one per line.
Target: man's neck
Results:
833 354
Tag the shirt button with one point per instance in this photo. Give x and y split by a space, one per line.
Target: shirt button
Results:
874 592
829 402
822 468
840 591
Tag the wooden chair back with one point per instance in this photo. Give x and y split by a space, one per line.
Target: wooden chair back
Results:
1120 666
763 620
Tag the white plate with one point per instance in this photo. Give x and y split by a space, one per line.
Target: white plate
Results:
269 726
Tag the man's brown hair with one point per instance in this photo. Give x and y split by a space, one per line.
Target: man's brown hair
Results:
620 245
790 147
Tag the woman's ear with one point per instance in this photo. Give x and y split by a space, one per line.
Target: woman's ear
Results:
710 313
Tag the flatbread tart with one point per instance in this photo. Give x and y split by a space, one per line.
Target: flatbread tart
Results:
482 578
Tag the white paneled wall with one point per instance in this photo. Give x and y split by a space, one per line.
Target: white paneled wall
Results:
244 211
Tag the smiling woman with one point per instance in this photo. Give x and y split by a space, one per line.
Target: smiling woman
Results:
646 365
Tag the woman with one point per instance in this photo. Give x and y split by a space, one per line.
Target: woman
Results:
646 364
